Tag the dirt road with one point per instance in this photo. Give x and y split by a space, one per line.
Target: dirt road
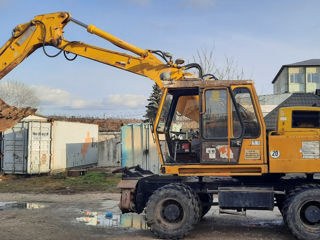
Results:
82 216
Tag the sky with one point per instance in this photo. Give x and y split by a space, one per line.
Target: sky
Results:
260 36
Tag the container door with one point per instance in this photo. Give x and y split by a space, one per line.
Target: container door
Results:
39 143
14 146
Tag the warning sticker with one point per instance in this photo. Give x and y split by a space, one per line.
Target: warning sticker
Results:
310 149
211 152
225 151
252 154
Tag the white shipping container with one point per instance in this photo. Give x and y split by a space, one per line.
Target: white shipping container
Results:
37 146
26 148
73 145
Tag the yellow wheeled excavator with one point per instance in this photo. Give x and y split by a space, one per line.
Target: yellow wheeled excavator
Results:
211 139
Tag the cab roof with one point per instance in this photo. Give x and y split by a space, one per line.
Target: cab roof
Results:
191 83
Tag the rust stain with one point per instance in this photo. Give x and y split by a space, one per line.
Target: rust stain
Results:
85 146
43 158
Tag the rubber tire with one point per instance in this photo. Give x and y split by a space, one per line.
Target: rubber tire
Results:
291 208
189 203
206 203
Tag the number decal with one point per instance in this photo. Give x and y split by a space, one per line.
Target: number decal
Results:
275 153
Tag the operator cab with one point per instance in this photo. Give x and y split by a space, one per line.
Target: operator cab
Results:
206 124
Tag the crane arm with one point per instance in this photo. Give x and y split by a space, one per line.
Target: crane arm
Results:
47 29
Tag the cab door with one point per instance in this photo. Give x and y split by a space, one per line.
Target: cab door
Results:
221 127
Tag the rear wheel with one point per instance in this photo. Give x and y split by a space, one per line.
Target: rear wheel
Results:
172 211
301 212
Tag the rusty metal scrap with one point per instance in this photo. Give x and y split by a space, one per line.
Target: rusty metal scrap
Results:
10 115
128 188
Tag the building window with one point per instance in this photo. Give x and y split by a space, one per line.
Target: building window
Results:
296 77
313 77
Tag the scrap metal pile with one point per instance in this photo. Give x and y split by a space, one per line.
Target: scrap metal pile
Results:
10 115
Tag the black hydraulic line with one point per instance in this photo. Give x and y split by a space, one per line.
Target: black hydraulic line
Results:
194 65
44 44
65 53
161 54
211 76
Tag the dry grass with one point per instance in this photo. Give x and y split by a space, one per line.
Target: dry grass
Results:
94 180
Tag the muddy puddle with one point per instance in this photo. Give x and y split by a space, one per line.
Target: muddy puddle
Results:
111 220
20 205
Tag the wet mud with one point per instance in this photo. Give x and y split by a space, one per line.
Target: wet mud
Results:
97 216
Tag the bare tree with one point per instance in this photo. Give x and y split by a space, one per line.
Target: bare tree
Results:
18 94
228 71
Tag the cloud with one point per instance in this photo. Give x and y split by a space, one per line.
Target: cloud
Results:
53 96
59 99
127 100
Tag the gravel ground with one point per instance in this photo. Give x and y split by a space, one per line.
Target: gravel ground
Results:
82 216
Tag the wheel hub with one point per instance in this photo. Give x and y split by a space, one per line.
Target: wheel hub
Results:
171 212
312 214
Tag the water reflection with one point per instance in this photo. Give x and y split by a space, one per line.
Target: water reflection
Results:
134 221
20 205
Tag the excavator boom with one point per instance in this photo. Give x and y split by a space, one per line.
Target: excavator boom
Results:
47 29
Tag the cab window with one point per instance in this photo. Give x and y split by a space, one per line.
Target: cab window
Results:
247 112
215 117
305 119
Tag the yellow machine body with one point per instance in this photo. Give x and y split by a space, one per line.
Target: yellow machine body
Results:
294 147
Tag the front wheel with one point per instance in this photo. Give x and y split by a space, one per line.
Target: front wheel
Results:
172 211
302 212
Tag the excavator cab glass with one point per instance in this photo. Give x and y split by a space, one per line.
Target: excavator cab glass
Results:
206 125
178 126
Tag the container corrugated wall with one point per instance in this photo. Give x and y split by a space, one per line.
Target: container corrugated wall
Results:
109 149
26 148
74 145
39 147
14 149
138 147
